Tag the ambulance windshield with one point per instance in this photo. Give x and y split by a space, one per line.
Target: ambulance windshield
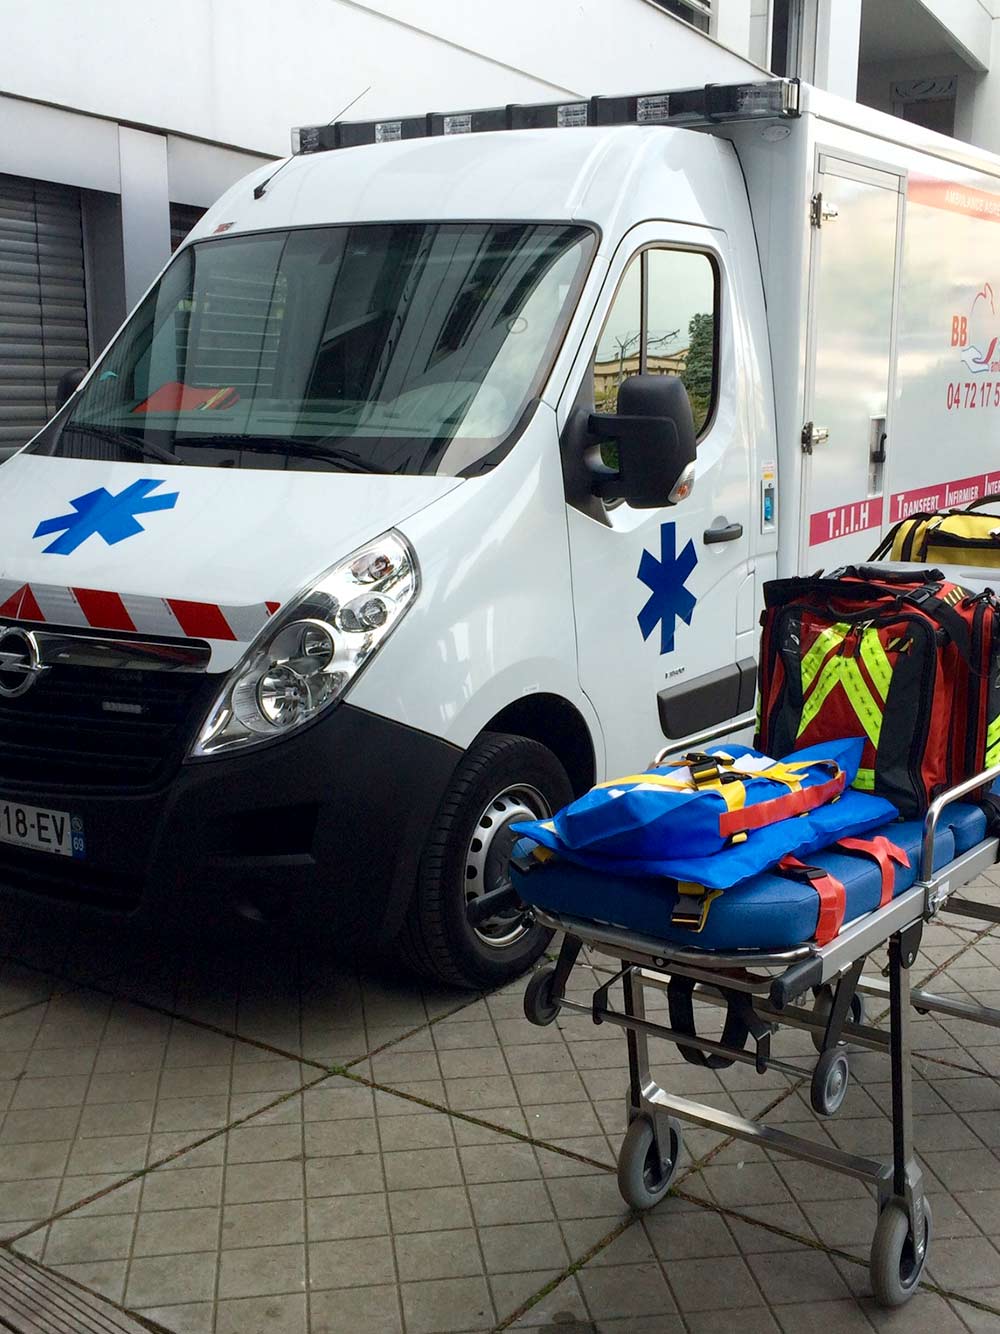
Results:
388 348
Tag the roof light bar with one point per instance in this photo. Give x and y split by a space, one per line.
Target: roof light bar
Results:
714 102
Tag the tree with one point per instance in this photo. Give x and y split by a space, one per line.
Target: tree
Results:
699 368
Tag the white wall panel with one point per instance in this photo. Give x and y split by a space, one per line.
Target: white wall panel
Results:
241 72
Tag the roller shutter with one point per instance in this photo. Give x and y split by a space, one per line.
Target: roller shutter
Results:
43 307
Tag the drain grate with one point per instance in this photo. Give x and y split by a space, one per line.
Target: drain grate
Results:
34 1300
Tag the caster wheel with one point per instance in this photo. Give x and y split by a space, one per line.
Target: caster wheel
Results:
829 1082
646 1169
540 1005
895 1265
824 1004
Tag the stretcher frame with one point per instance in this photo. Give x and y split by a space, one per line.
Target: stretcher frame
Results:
771 985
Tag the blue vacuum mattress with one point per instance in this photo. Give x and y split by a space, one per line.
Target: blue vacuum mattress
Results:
769 911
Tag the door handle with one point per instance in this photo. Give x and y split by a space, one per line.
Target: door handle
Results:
730 533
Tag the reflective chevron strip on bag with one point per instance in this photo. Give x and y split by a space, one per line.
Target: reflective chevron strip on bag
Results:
826 665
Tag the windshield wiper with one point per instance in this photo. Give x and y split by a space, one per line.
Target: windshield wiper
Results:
290 445
145 449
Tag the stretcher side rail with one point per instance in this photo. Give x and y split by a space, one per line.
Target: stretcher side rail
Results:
984 779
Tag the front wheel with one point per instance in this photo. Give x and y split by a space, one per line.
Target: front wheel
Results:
501 780
896 1263
647 1167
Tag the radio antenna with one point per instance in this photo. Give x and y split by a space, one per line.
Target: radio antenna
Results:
259 190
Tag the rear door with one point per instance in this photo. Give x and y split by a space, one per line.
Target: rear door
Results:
856 229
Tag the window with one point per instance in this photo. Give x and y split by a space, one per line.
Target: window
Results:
696 12
381 348
662 322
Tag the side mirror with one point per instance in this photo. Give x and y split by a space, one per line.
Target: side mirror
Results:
654 431
69 383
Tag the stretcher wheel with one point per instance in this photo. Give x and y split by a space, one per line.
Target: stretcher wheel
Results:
540 1004
824 1004
895 1265
646 1167
829 1084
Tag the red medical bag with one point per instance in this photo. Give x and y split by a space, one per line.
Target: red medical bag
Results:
908 660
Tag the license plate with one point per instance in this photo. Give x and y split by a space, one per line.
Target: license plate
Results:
41 830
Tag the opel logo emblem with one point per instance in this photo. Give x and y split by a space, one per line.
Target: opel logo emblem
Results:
20 663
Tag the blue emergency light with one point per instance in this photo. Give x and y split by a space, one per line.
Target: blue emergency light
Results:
714 102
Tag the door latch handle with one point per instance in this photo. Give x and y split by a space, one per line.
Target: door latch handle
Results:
730 533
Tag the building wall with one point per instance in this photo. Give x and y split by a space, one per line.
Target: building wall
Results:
241 72
135 105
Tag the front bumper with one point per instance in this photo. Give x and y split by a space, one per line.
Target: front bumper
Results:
325 827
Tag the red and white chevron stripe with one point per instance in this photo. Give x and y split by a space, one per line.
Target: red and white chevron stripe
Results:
55 605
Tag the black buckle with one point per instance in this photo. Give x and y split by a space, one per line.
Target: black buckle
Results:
806 874
921 595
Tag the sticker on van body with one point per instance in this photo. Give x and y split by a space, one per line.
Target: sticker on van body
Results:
666 578
99 513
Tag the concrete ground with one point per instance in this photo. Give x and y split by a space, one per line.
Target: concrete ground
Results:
243 1138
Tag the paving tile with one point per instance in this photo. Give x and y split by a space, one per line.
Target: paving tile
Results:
440 1306
625 1290
373 1310
268 1220
754 1320
348 1208
163 1279
258 1271
451 1254
719 1283
963 1265
795 1276
276 1315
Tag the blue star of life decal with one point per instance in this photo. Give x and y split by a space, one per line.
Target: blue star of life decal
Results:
99 512
666 578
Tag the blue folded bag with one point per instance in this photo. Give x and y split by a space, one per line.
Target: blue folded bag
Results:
641 827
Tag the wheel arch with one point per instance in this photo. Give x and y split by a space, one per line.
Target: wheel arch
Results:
557 724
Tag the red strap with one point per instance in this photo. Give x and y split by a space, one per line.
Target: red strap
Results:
781 808
832 897
885 853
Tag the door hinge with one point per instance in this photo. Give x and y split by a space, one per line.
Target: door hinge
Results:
813 435
818 214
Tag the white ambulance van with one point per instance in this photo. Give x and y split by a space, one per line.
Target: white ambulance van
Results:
437 476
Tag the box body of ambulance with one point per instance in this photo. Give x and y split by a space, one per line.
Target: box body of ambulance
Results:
437 478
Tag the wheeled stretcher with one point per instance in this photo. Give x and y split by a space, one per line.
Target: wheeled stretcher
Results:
788 982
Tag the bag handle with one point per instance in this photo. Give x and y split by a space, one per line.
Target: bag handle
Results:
869 573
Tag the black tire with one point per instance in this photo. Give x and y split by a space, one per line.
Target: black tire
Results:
830 1080
895 1267
646 1170
540 1006
437 940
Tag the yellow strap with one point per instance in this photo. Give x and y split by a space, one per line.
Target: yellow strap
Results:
866 707
865 780
993 743
701 899
657 780
878 664
822 644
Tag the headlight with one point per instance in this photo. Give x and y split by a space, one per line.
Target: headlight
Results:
307 656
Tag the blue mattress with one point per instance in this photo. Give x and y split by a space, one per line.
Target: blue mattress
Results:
766 912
